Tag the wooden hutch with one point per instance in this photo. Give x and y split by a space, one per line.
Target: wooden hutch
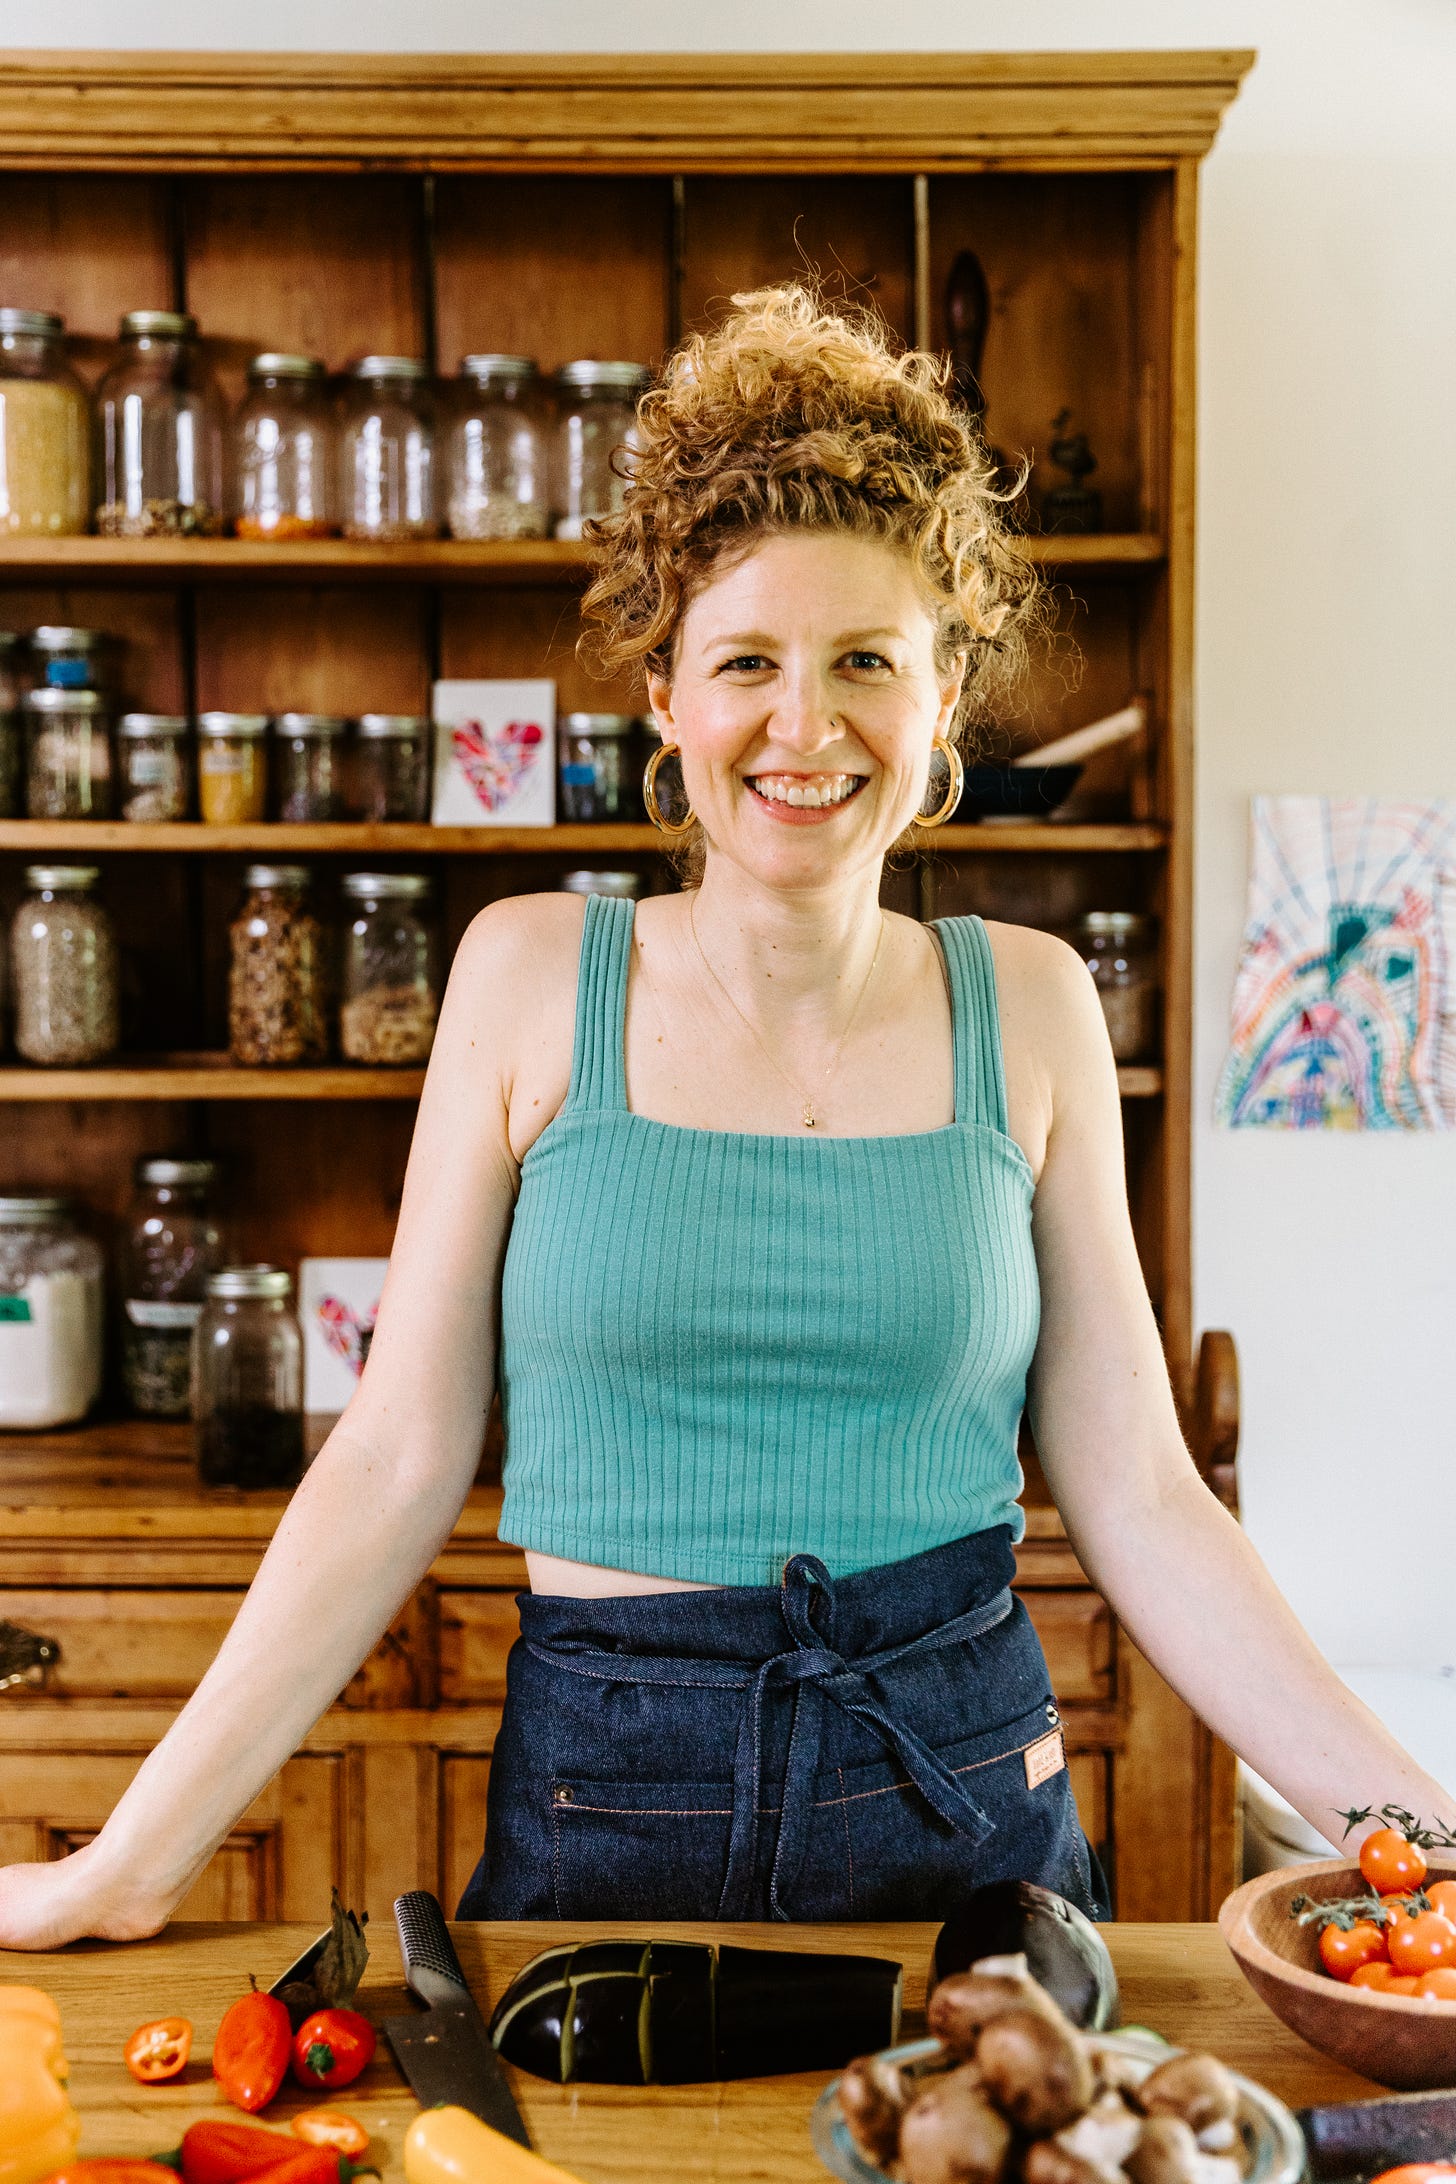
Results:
558 207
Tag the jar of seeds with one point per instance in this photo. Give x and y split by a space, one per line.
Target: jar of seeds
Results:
44 430
63 969
232 768
159 434
496 451
247 1380
391 767
152 766
171 1246
283 451
276 982
68 766
390 981
308 767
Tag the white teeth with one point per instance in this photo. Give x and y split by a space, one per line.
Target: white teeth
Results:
812 795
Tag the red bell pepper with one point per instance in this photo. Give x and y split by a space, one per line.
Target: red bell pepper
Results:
229 2153
332 2047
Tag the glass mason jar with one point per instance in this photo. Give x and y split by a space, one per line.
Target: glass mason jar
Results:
51 1313
45 428
152 766
63 969
308 764
159 434
247 1380
596 416
171 1246
68 763
390 988
284 453
12 727
1117 947
387 450
627 886
391 767
64 658
232 768
600 757
496 452
276 982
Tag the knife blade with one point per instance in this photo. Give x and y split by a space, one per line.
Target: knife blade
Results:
444 2049
302 1966
1360 2138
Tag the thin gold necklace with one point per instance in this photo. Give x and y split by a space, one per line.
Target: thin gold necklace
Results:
806 1099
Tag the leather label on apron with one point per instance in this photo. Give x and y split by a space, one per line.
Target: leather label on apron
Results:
1044 1758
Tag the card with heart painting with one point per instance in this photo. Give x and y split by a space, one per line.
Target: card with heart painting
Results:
338 1301
495 754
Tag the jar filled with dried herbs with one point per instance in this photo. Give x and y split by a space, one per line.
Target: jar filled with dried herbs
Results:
153 766
159 434
277 989
390 982
172 1244
45 486
247 1380
63 969
391 767
68 764
308 767
232 768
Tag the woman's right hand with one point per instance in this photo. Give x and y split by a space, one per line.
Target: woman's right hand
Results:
45 1905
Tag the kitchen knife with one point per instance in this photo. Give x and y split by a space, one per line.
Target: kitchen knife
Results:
444 2049
302 1967
1360 2138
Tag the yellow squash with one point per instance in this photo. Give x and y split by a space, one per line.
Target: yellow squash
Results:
450 2146
39 2129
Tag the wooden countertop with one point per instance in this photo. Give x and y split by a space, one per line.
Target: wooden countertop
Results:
1179 1979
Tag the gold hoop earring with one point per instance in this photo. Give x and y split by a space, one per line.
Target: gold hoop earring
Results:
649 796
952 796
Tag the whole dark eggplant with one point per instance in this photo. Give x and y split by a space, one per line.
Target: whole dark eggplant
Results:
685 2013
1064 1951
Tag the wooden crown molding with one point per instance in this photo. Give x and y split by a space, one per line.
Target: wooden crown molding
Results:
647 113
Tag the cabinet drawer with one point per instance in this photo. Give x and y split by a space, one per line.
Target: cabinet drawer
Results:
477 1631
1075 1629
119 1644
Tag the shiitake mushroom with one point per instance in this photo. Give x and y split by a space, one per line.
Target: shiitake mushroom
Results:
964 2003
1200 2092
1037 2072
1051 2161
952 2135
874 2096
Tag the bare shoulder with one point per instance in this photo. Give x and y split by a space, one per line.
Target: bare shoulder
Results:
1058 1061
522 945
512 997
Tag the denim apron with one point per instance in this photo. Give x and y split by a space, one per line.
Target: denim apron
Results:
865 1747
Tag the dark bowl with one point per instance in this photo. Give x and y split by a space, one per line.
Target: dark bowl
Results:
1021 792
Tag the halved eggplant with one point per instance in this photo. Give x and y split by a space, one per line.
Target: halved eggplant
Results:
1064 1951
685 2013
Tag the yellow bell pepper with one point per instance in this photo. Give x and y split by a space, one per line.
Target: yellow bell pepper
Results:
39 2129
450 2146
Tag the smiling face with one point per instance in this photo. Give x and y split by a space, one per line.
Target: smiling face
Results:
804 698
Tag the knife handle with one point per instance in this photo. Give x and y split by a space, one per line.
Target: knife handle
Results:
1360 2137
431 1967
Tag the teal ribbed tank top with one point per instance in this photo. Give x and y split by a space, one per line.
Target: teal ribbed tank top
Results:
721 1350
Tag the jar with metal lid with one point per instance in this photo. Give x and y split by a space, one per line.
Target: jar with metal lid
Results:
12 726
152 765
390 984
159 434
308 764
391 767
171 1245
63 658
63 969
51 1313
1117 947
497 452
387 450
596 420
284 453
627 886
68 762
232 768
45 428
600 757
276 979
247 1380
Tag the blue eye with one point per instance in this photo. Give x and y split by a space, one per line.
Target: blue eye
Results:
866 663
744 663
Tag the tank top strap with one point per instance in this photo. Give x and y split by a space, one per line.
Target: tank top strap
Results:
980 1075
598 1063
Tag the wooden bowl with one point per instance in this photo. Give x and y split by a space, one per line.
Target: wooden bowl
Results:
1395 2039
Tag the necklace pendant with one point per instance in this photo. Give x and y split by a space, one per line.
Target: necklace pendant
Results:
808 1114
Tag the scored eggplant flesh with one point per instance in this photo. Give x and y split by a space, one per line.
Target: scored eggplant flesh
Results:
1064 1952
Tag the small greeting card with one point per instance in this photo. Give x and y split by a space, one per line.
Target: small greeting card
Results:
495 754
338 1300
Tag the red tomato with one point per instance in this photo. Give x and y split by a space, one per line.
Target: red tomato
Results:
1442 1895
1423 1943
1440 1985
1344 1950
157 2052
250 2053
1376 1975
332 2047
331 2127
1400 1983
1388 1861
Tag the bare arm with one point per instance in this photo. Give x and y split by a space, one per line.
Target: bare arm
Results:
1178 1571
374 1508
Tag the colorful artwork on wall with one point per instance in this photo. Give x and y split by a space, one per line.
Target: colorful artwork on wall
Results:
338 1302
495 754
1344 1011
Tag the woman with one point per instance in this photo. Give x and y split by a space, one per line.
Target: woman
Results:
769 1210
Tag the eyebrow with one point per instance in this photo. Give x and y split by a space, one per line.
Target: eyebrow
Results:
846 637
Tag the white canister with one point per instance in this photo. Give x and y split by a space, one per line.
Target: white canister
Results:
51 1314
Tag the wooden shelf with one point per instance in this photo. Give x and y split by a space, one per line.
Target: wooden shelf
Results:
420 561
92 837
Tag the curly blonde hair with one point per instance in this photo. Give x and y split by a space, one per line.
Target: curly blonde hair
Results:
790 415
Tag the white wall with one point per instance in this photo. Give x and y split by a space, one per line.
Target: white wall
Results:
1327 589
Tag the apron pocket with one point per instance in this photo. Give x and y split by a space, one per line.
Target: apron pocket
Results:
638 1850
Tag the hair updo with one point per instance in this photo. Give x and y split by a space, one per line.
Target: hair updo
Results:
792 416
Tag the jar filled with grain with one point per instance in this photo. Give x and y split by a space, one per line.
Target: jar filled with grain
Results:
232 768
276 981
387 450
45 484
51 1313
283 451
308 767
596 437
497 451
63 969
159 434
390 984
153 769
12 727
68 758
391 767
247 1380
1117 947
172 1244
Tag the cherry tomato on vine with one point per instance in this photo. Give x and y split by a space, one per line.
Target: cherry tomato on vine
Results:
1344 1949
1422 1943
1439 1985
1442 1896
1376 1975
1389 1862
